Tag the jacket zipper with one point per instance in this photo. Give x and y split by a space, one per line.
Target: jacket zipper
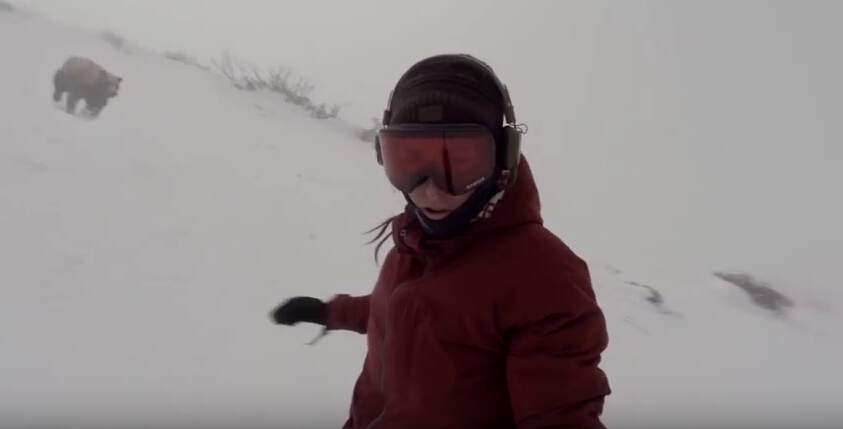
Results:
383 346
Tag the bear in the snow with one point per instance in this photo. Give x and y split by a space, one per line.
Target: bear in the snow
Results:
83 79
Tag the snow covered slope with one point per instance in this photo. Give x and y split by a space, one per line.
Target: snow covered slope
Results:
141 253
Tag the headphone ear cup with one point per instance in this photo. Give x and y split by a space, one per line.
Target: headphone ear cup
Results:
378 150
513 137
511 148
511 154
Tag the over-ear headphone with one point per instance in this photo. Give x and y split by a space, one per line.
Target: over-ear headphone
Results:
511 135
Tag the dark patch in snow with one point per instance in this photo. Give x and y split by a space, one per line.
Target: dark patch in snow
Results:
630 321
760 293
612 270
655 298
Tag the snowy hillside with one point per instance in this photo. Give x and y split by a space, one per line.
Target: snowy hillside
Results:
141 253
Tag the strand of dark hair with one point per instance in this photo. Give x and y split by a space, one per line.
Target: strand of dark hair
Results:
381 236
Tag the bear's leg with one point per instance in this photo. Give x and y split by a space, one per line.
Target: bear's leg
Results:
93 107
92 112
58 88
72 100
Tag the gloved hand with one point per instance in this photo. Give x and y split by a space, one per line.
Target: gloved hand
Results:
301 309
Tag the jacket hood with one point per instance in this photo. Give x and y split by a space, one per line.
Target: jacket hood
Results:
519 205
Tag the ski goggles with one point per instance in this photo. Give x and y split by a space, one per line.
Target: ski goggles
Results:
456 157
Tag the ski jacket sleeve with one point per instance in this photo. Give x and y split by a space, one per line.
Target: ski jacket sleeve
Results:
554 351
349 313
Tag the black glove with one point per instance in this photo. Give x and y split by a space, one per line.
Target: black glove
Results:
301 309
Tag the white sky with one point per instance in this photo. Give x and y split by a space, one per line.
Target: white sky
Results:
652 124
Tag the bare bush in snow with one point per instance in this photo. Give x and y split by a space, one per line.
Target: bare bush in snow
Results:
184 58
279 80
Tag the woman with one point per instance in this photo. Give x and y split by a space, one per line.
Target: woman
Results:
480 317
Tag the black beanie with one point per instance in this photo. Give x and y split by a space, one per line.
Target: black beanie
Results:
448 89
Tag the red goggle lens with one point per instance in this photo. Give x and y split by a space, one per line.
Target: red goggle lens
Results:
456 158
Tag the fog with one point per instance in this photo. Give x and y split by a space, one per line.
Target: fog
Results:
686 133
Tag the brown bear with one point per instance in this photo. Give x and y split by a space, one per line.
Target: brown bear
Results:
83 79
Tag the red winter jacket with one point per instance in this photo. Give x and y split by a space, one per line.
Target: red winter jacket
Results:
496 329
